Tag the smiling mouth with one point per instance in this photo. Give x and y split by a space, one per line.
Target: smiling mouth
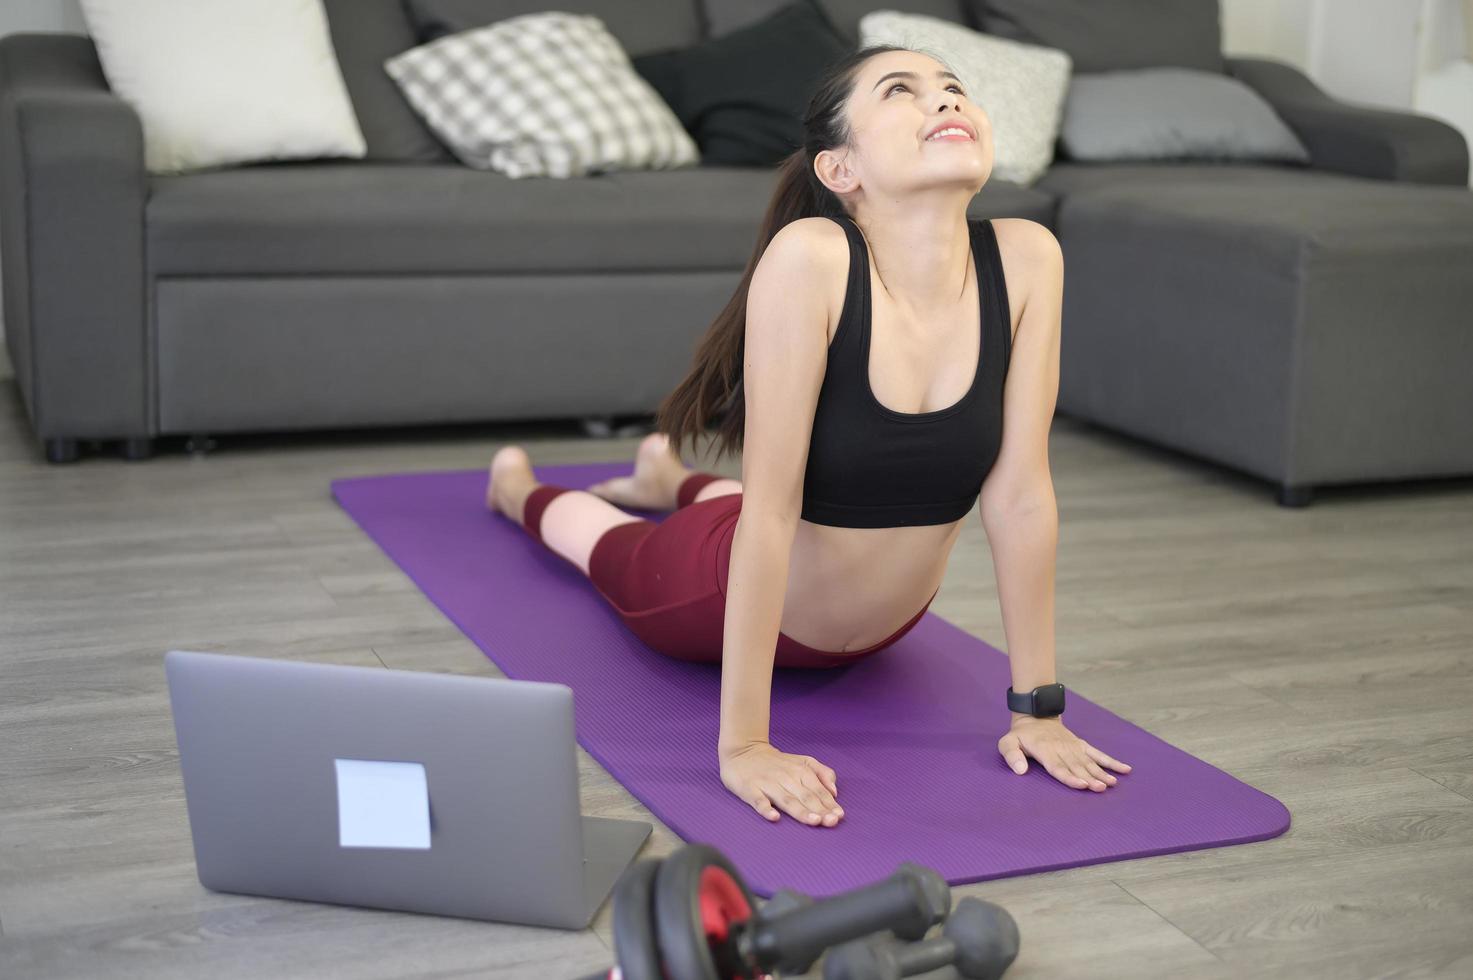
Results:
958 136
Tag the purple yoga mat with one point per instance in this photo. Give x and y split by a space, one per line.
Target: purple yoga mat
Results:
911 732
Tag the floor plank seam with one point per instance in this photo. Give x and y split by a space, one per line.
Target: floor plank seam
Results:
1145 904
1465 799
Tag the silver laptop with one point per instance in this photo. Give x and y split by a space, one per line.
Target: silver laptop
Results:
393 789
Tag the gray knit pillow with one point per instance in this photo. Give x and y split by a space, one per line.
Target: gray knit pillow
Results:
1172 114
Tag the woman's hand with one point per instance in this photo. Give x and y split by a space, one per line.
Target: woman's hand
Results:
761 775
1067 757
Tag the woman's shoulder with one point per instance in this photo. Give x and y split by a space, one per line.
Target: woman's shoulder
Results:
1029 253
814 250
818 234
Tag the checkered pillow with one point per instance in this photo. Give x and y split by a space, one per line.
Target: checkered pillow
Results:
546 94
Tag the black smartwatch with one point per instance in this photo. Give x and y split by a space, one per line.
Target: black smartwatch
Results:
1045 701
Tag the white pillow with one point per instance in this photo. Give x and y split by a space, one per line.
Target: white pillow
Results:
545 94
220 82
1021 87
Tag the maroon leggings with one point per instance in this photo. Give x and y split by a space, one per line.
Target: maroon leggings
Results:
667 580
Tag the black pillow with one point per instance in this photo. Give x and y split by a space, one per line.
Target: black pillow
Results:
640 26
742 96
1111 35
366 33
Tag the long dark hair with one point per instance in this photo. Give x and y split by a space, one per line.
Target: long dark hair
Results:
713 388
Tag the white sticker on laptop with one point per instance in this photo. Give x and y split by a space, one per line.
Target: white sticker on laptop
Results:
383 804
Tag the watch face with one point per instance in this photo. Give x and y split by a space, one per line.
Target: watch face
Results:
1048 699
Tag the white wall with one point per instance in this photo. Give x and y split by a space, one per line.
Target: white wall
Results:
1278 29
41 15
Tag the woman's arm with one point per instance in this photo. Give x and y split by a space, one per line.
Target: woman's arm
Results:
1022 518
1024 547
1018 507
785 353
755 588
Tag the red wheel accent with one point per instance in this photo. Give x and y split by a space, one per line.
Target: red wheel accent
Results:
722 903
699 902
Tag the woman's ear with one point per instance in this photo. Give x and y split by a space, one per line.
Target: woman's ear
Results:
834 171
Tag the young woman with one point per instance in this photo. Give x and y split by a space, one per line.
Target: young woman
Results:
884 363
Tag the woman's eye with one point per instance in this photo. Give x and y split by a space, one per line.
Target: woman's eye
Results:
953 85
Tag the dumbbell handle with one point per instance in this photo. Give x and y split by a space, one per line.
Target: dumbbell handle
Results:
901 902
924 956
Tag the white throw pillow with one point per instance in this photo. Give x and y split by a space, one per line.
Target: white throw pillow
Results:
545 94
219 82
1021 87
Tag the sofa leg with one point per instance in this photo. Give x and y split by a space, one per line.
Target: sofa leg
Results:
597 426
61 450
198 443
1295 496
606 427
137 448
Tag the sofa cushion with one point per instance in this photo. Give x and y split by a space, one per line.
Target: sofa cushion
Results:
1172 113
1262 214
1306 327
1104 35
725 16
640 25
364 34
743 95
326 218
1070 177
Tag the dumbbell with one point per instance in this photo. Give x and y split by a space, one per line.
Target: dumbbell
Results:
924 900
690 916
980 940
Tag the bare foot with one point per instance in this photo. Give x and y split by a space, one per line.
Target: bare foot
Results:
510 468
656 479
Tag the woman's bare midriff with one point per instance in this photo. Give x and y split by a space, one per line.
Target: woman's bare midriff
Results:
850 588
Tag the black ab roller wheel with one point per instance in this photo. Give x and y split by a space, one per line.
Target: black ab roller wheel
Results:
700 903
634 935
690 916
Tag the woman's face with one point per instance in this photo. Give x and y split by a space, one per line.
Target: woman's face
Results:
899 98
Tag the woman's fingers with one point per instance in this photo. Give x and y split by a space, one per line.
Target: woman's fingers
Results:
829 777
807 791
1075 768
1090 782
1060 771
1098 773
812 782
763 806
1102 757
800 809
1077 778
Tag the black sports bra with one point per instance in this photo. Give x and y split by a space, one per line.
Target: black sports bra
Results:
870 466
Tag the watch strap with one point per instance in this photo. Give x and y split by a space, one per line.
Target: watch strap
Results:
1044 701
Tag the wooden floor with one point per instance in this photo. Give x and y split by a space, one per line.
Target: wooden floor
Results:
1323 655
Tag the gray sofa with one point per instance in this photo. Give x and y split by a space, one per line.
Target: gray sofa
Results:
1306 325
